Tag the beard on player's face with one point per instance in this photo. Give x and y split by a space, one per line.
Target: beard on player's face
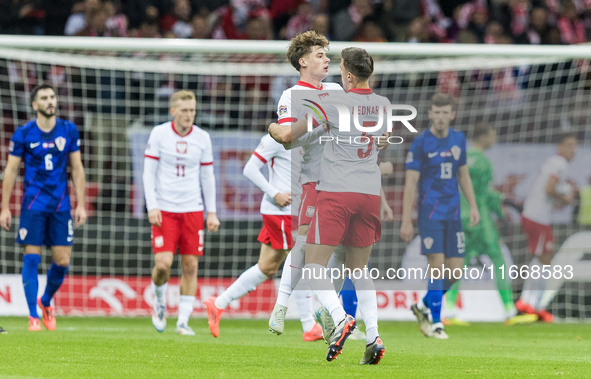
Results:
47 112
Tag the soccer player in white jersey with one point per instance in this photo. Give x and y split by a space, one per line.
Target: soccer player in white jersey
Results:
275 236
178 167
544 194
348 205
307 54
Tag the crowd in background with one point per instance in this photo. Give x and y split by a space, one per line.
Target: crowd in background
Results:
445 21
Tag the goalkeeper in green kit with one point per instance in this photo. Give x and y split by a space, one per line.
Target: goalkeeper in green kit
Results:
483 238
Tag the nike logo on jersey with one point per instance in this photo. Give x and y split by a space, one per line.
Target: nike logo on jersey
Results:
70 239
434 154
34 145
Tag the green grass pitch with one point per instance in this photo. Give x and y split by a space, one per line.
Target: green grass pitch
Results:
131 348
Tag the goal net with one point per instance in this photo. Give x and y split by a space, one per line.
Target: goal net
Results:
116 90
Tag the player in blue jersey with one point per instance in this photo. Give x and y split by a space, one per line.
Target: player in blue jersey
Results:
46 144
437 163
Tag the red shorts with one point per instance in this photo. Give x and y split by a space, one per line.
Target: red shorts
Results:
179 230
347 218
307 204
540 238
276 231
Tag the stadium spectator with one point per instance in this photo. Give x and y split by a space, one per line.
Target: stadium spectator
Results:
46 144
418 30
179 22
346 22
571 26
178 166
117 21
200 27
370 31
96 23
80 13
537 31
300 22
320 23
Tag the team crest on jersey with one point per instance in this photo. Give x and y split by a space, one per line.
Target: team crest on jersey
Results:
282 110
60 143
456 151
428 242
310 211
409 157
181 147
22 232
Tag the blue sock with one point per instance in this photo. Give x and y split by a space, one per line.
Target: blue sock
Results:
349 297
31 281
434 297
55 278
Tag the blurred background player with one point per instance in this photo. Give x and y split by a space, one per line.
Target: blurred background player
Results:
178 166
483 239
46 144
275 237
544 194
307 54
437 163
348 208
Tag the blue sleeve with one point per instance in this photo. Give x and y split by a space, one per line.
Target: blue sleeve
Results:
414 158
75 138
463 153
17 144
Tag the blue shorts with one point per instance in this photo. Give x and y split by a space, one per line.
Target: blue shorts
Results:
45 228
442 236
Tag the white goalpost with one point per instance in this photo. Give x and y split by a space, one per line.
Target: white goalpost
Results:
116 89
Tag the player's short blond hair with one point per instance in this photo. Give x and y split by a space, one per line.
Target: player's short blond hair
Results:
302 45
181 95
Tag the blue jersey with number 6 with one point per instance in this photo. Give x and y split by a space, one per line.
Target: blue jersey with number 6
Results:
46 160
438 160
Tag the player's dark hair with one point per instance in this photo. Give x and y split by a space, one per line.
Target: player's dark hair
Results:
38 88
358 62
302 45
442 99
481 129
564 136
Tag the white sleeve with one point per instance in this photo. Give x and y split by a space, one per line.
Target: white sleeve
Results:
150 168
252 171
208 178
151 158
284 111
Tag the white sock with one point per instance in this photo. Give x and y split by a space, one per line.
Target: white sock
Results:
305 301
247 282
368 303
285 284
298 259
185 308
529 295
337 260
323 288
422 307
160 293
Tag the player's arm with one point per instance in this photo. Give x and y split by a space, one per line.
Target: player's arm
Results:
10 173
79 180
386 213
465 183
408 200
280 133
252 170
207 178
551 190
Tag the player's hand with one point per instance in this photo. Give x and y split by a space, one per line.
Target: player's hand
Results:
382 142
5 219
212 222
407 231
283 199
386 213
80 215
155 217
474 216
386 168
